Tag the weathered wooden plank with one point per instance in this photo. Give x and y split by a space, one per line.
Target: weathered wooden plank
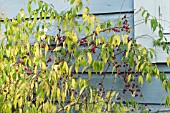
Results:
152 93
164 15
143 30
113 17
163 67
161 55
156 108
12 7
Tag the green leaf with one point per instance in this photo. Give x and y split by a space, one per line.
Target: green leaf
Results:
119 22
144 11
160 34
154 24
29 7
89 73
34 1
146 18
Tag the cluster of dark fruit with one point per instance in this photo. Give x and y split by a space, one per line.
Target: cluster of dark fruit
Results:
125 26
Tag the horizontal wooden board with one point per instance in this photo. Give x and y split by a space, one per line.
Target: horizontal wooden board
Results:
12 7
156 108
163 67
161 55
152 93
113 17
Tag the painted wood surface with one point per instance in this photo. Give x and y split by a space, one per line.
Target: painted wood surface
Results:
113 17
160 10
164 15
153 94
11 7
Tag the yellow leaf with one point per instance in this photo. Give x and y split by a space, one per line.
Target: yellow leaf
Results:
139 57
77 107
128 48
76 1
116 40
142 66
46 49
63 96
72 97
76 68
57 48
89 72
140 80
68 109
129 77
65 66
43 66
168 61
113 69
84 69
28 47
164 84
66 16
125 39
84 14
75 39
58 95
103 46
98 30
148 76
108 94
55 67
89 57
144 52
20 102
113 94
137 66
2 13
73 82
85 10
70 70
80 57
82 89
91 95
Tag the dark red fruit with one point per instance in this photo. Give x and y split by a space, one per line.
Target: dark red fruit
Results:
138 90
49 60
43 46
84 40
27 53
136 95
24 57
118 98
113 29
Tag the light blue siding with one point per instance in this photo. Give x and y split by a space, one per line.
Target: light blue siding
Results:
12 7
105 10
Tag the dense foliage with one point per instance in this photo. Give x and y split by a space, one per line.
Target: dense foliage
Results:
46 76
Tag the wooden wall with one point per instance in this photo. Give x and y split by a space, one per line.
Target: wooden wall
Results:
105 10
